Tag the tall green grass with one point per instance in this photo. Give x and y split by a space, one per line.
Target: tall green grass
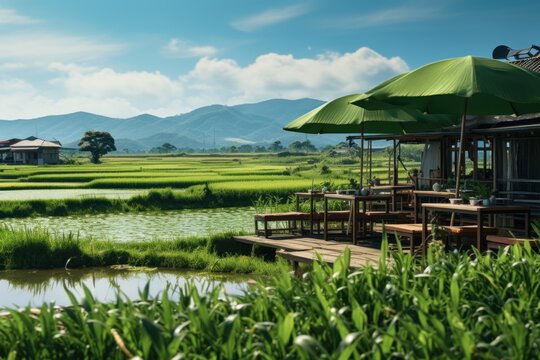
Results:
39 249
447 306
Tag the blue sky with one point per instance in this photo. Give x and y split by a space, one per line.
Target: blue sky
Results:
123 58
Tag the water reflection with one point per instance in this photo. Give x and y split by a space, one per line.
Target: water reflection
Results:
20 288
69 194
145 226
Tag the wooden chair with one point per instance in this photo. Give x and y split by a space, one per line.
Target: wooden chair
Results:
411 232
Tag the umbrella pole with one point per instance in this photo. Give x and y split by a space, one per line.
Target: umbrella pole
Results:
362 155
461 148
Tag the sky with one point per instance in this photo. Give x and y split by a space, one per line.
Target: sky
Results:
122 58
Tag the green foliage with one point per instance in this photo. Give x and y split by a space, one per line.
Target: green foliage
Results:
98 143
445 306
39 249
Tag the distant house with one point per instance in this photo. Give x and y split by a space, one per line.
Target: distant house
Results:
30 151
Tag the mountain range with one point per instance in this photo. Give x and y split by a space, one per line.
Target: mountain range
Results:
259 123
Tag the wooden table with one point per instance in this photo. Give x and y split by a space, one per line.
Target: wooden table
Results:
428 193
393 190
354 200
480 211
312 196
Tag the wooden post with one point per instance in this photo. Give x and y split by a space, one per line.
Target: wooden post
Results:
362 154
460 152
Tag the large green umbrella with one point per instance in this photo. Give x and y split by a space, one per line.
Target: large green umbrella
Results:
339 116
461 86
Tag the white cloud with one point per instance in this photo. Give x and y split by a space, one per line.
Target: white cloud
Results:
239 141
273 75
407 13
270 17
180 48
49 47
72 87
11 17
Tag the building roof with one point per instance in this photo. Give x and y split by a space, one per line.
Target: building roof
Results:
532 63
36 143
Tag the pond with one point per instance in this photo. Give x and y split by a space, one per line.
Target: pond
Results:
21 288
68 194
145 226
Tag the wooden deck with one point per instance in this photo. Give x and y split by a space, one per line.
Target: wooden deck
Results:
304 249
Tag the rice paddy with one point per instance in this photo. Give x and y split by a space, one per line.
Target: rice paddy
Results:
141 172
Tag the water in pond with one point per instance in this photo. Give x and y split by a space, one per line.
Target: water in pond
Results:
145 226
34 287
68 194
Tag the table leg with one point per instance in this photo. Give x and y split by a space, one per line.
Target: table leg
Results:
354 218
424 231
325 219
415 207
479 232
311 218
527 220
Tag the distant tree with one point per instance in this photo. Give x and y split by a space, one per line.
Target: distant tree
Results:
245 148
276 146
233 149
296 146
126 150
308 146
98 143
260 149
168 148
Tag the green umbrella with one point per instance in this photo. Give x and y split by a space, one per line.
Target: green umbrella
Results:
339 116
461 86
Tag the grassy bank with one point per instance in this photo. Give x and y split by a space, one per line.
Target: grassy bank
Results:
196 197
38 249
446 306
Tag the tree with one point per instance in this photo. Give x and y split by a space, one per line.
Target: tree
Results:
295 145
246 148
98 143
276 146
168 148
308 146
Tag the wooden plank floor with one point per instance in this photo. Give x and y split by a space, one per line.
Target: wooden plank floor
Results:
304 249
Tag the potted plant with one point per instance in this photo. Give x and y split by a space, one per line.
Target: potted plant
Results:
483 192
326 186
341 189
473 200
353 187
450 185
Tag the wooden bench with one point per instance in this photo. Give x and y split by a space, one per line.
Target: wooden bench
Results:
496 241
293 217
412 232
290 217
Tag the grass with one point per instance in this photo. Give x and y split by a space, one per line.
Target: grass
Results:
39 249
447 305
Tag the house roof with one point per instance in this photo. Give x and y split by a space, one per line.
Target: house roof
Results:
36 143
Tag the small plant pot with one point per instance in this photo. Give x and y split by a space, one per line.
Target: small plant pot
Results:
485 202
437 187
340 192
364 192
475 202
456 201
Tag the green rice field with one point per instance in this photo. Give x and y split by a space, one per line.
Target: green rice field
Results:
230 172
